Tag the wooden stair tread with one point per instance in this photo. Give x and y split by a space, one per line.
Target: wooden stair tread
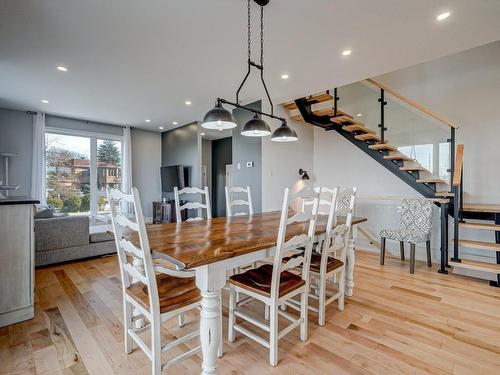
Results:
432 180
367 137
478 245
477 265
412 168
316 98
474 207
357 128
341 118
318 112
383 146
446 194
397 157
480 226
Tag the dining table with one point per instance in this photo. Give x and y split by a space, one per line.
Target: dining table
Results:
212 247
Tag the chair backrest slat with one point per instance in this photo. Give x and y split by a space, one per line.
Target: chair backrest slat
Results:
200 206
230 202
304 220
416 214
141 269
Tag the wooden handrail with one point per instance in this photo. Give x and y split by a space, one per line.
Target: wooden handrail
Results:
412 103
459 162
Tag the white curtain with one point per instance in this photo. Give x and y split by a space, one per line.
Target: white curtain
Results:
127 165
38 163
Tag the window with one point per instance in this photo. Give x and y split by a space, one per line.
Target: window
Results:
80 168
435 158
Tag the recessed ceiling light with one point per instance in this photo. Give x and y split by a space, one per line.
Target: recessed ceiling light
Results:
175 123
202 134
443 16
147 120
188 102
359 115
62 68
284 76
45 101
347 52
220 130
161 127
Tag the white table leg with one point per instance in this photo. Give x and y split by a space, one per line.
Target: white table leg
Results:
350 262
210 279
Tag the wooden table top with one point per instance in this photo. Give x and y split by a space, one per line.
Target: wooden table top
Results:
194 244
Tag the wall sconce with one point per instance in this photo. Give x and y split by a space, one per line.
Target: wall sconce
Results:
304 174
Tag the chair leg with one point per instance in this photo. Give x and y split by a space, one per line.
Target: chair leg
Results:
180 320
155 347
402 249
273 336
382 251
412 258
127 310
341 290
304 309
429 259
321 301
231 320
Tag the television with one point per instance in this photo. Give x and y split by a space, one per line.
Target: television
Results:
174 175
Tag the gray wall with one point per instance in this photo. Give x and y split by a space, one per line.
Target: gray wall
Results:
146 162
221 156
183 146
248 149
16 135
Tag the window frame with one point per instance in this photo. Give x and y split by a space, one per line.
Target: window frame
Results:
95 194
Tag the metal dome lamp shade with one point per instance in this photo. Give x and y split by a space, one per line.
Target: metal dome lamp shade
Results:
256 127
218 118
284 134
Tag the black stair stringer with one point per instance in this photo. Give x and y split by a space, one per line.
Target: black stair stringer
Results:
324 122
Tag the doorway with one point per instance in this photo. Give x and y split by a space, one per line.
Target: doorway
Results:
222 157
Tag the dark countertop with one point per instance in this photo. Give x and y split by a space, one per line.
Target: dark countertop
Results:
18 200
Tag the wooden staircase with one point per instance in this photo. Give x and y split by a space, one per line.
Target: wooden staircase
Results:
321 110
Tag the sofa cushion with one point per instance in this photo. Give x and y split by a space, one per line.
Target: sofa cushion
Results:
61 232
101 237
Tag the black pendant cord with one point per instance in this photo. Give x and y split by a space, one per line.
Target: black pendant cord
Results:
250 63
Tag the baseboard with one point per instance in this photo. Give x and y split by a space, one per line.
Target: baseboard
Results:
17 316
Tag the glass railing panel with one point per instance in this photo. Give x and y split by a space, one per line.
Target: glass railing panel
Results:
361 102
418 136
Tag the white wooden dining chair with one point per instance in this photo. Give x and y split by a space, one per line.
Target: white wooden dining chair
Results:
331 261
273 284
156 297
240 202
199 206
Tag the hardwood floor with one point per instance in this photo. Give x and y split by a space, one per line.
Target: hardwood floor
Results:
396 323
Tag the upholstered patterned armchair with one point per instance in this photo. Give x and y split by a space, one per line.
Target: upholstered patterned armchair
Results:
415 227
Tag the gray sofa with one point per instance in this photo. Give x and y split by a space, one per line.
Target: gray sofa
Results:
61 239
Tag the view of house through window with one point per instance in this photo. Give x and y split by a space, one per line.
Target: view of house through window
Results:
77 180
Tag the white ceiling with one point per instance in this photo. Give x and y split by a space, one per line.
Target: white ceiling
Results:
132 60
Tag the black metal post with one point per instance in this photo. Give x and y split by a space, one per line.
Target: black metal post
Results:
335 102
456 214
451 140
444 238
382 127
460 218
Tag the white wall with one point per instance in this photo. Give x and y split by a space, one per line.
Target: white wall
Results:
466 89
281 163
463 88
146 163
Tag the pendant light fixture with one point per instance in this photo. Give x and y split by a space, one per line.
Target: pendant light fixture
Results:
220 118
